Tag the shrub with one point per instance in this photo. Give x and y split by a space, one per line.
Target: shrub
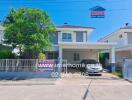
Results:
41 56
5 53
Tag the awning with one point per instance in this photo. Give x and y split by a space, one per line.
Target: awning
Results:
80 45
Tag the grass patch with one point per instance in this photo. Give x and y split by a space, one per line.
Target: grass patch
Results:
118 73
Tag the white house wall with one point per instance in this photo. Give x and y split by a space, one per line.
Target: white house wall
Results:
1 36
129 36
1 33
120 55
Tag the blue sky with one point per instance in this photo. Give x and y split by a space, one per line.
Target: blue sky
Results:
76 12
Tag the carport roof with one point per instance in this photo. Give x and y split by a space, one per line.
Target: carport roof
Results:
96 45
124 48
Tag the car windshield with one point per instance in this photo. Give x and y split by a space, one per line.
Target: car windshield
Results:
92 62
89 61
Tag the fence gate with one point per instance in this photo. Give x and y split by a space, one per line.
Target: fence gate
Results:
64 66
127 69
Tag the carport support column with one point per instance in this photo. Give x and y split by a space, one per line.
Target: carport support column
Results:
113 59
60 61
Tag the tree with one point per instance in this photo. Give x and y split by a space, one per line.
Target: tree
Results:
28 30
5 52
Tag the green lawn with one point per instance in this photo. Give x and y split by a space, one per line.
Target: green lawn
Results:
118 73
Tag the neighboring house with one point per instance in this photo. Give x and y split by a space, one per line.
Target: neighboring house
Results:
71 43
123 38
1 33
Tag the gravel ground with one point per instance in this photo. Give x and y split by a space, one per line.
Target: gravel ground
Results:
69 87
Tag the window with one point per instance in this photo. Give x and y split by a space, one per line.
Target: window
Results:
120 36
52 55
54 38
79 36
107 41
76 56
66 37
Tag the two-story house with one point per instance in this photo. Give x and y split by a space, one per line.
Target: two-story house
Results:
123 38
71 43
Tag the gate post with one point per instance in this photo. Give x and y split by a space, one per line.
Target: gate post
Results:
66 66
124 69
60 62
6 66
36 65
113 59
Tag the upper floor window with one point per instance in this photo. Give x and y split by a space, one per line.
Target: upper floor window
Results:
79 36
67 37
54 38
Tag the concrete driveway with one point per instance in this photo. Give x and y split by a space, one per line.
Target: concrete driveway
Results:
69 87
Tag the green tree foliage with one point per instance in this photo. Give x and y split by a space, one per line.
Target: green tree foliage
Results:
28 30
5 53
102 57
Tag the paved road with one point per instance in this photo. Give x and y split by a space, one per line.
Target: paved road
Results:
69 87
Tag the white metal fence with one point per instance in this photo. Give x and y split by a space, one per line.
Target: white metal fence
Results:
21 65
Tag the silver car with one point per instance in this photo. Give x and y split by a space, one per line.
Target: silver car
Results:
92 67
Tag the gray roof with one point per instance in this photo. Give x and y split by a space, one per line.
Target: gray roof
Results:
72 26
126 27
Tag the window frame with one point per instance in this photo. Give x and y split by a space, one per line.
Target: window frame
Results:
52 55
67 37
78 39
76 56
